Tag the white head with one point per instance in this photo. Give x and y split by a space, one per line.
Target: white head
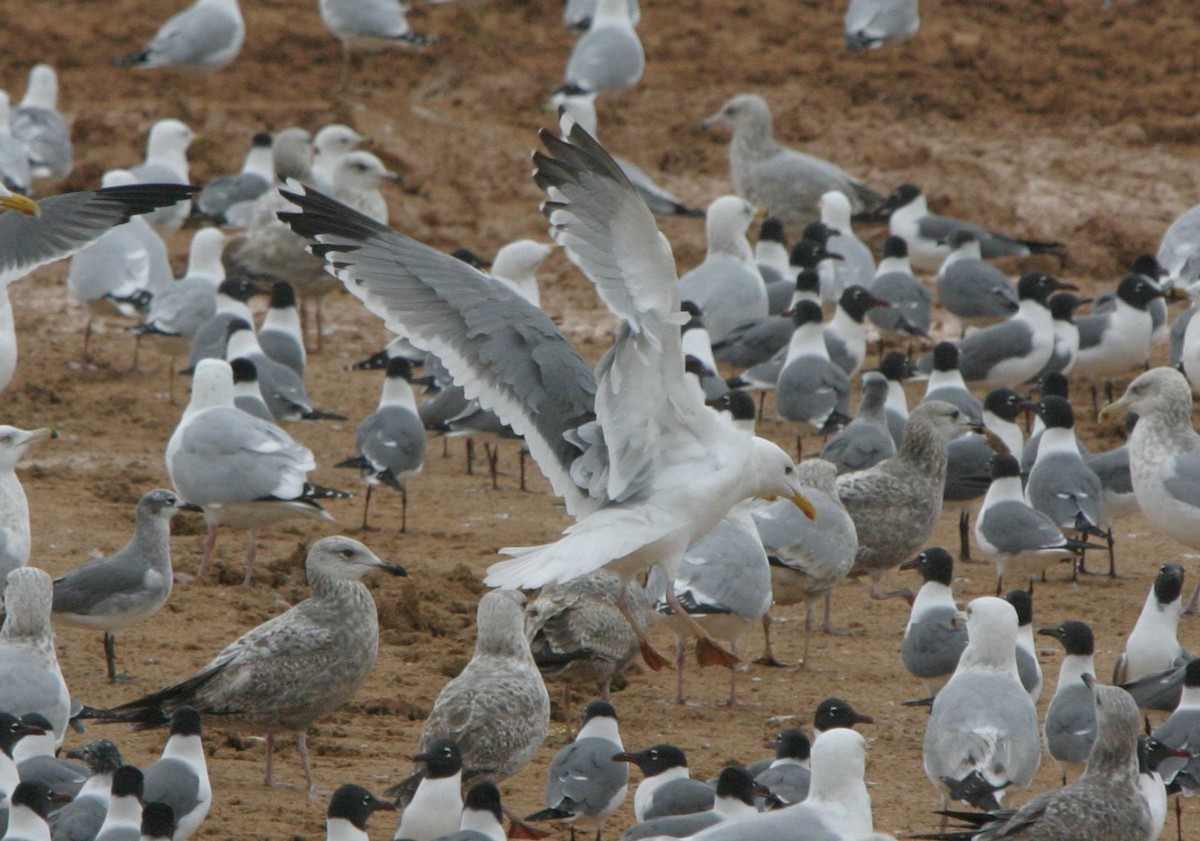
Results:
835 210
744 111
336 139
291 153
340 558
212 385
1159 391
27 600
726 223
773 474
168 138
991 634
360 172
204 255
14 443
42 89
500 625
520 258
117 178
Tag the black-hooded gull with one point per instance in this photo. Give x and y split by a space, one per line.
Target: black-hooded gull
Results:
811 387
482 816
975 292
247 396
1182 731
204 37
30 678
787 775
293 669
435 808
349 809
281 335
946 381
282 388
933 638
869 24
36 760
1153 645
80 819
179 777
908 300
12 731
225 196
633 443
1070 726
39 125
231 304
30 805
1029 670
667 787
1066 335
1115 342
733 801
897 368
123 820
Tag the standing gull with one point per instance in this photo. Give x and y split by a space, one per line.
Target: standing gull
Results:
857 265
1118 341
36 760
178 312
166 163
282 388
908 299
369 24
40 126
846 335
30 679
1152 647
870 24
232 302
609 57
787 776
120 590
179 777
811 387
733 801
663 452
788 183
330 144
247 396
32 803
295 668
933 638
15 172
482 816
1182 730
15 542
436 805
12 731
946 382
226 199
80 819
1070 728
123 820
349 809
667 787
896 368
865 441
205 37
975 292
1029 670
1066 335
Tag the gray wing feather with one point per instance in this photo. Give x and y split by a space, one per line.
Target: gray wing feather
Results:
584 773
932 645
980 351
392 439
1013 527
173 782
1071 724
1184 483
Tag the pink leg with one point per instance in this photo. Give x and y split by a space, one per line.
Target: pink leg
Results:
210 543
251 556
653 659
302 749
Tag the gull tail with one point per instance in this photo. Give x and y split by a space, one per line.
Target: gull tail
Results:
137 59
975 790
374 362
551 814
317 414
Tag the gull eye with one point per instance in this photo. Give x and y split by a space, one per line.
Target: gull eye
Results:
347 553
789 470
6 440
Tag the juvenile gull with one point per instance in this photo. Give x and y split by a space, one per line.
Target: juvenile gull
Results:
983 724
787 183
80 819
584 787
1164 456
436 805
120 590
14 507
166 163
1070 727
865 441
933 639
349 809
609 57
1029 670
667 787
295 668
733 801
38 124
30 679
658 437
226 198
204 37
1152 647
975 292
869 24
896 503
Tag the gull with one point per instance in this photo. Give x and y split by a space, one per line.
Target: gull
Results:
658 434
30 805
584 787
667 787
1116 342
1014 351
761 344
57 227
896 368
482 816
808 557
1070 728
811 387
232 302
179 778
1151 754
204 37
115 592
577 14
178 312
946 382
1179 252
857 265
80 819
609 57
391 440
369 25
733 801
865 441
771 255
787 776
1152 647
123 820
787 183
869 24
282 388
928 234
30 678
1182 731
166 163
330 144
356 181
291 670
1028 667
1187 359
242 471
983 725
933 638
436 806
227 198
1116 479
12 731
908 300
845 336
35 758
15 171
1066 335
975 292
15 543
516 264
1163 454
1052 384
727 286
349 809
896 503
37 123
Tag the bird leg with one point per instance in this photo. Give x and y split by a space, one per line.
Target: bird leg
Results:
87 337
366 508
964 536
654 660
880 595
470 456
320 327
210 543
302 749
521 461
799 447
708 653
827 623
493 458
251 556
1112 557
268 777
403 510
733 702
768 656
110 658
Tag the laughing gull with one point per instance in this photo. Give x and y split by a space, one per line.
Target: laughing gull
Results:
179 778
734 801
627 497
811 387
857 265
123 820
1001 410
832 285
896 368
865 441
975 292
282 388
482 816
788 183
1116 342
907 313
869 24
609 56
1070 727
120 590
946 382
896 503
204 37
12 731
1066 335
349 809
15 543
697 347
666 787
927 234
584 786
933 639
34 755
771 256
41 128
177 312
243 471
1163 454
983 725
1050 385
846 337
1151 754
247 396
391 440
1028 667
330 640
166 163
808 557
1153 644
30 805
369 24
281 335
761 345
80 819
1182 730
1019 539
232 303
496 708
787 776
727 286
1148 268
436 805
226 196
30 679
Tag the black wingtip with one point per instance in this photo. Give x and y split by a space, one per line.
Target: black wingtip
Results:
551 814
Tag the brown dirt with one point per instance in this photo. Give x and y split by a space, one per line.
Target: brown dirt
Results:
1053 119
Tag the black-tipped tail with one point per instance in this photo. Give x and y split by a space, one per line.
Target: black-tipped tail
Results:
317 414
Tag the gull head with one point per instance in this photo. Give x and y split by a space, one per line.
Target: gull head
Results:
27 599
746 110
361 172
774 474
42 89
161 504
1160 391
342 558
991 634
519 259
336 139
838 759
835 209
943 420
212 385
292 153
14 443
1117 724
500 625
168 137
726 222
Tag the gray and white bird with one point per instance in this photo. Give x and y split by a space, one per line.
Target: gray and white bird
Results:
811 387
80 819
584 786
349 809
734 801
667 787
15 172
247 396
787 775
29 806
983 724
226 199
909 300
166 162
41 128
1113 343
282 388
1070 727
120 590
391 440
933 638
577 14
1182 731
857 265
36 759
123 820
281 335
482 816
846 336
928 234
15 536
330 144
179 777
370 25
784 181
946 382
435 808
975 292
329 643
869 24
1153 644
896 369
232 303
1028 668
30 678
1066 335
177 312
204 37
13 731
1116 480
865 441
1051 384
608 58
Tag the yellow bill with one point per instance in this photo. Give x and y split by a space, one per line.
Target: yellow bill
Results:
21 204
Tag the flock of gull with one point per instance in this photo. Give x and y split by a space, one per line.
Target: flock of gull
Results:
679 512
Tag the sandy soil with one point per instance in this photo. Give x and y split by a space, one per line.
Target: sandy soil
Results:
1056 119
